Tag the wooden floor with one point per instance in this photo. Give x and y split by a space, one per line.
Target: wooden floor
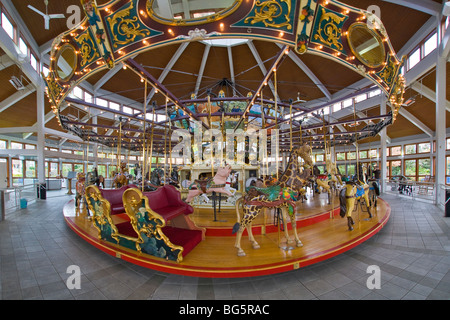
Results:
323 232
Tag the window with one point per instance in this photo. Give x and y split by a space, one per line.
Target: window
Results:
78 167
101 170
114 106
340 156
395 168
30 168
424 166
374 93
430 45
347 103
7 26
16 145
88 97
78 92
45 71
112 170
424 147
23 47
66 168
411 149
411 169
3 144
351 169
319 158
337 107
17 168
34 63
363 154
351 155
361 97
53 169
102 102
414 58
396 151
127 110
373 153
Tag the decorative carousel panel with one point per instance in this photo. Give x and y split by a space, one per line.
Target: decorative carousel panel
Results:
270 14
125 28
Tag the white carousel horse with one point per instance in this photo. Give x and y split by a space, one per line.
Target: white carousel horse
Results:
216 184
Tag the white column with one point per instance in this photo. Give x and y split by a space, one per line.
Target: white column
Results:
40 129
383 148
441 100
441 76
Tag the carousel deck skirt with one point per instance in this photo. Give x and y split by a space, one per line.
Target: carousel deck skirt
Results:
323 232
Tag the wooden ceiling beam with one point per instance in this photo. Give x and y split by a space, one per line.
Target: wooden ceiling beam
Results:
16 97
415 121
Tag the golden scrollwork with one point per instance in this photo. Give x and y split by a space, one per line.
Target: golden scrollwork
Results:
88 52
54 89
269 13
329 32
127 29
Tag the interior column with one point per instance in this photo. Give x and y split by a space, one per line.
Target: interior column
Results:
383 148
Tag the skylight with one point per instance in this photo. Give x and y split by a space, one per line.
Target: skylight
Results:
225 42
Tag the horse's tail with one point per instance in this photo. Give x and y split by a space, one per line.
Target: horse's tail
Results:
238 207
343 202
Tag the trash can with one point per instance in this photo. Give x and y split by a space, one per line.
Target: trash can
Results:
23 203
41 191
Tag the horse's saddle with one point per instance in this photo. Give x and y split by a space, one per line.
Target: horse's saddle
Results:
206 184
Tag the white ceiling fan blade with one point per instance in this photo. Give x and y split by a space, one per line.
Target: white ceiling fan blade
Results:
57 16
36 10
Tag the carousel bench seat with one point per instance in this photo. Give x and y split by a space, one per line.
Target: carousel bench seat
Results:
114 197
167 202
168 234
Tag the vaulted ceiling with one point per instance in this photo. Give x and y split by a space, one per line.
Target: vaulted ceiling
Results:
197 66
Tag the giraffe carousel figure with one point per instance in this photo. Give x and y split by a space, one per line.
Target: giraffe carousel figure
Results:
283 195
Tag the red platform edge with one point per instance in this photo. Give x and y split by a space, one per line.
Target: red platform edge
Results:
159 264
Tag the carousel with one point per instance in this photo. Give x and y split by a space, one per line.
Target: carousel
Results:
237 193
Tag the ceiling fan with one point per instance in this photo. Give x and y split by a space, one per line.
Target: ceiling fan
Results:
298 99
47 16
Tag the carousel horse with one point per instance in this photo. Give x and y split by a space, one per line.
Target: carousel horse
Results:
121 179
353 191
374 191
94 178
80 191
216 184
283 195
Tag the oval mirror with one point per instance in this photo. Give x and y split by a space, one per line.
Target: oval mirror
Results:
66 62
181 12
366 45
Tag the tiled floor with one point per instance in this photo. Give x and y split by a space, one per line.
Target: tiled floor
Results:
412 252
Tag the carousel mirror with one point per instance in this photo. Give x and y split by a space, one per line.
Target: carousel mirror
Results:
366 45
189 12
66 62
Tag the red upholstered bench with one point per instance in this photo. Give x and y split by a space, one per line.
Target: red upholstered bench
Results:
167 202
181 230
114 197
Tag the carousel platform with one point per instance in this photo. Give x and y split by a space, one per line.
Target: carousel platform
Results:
323 232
